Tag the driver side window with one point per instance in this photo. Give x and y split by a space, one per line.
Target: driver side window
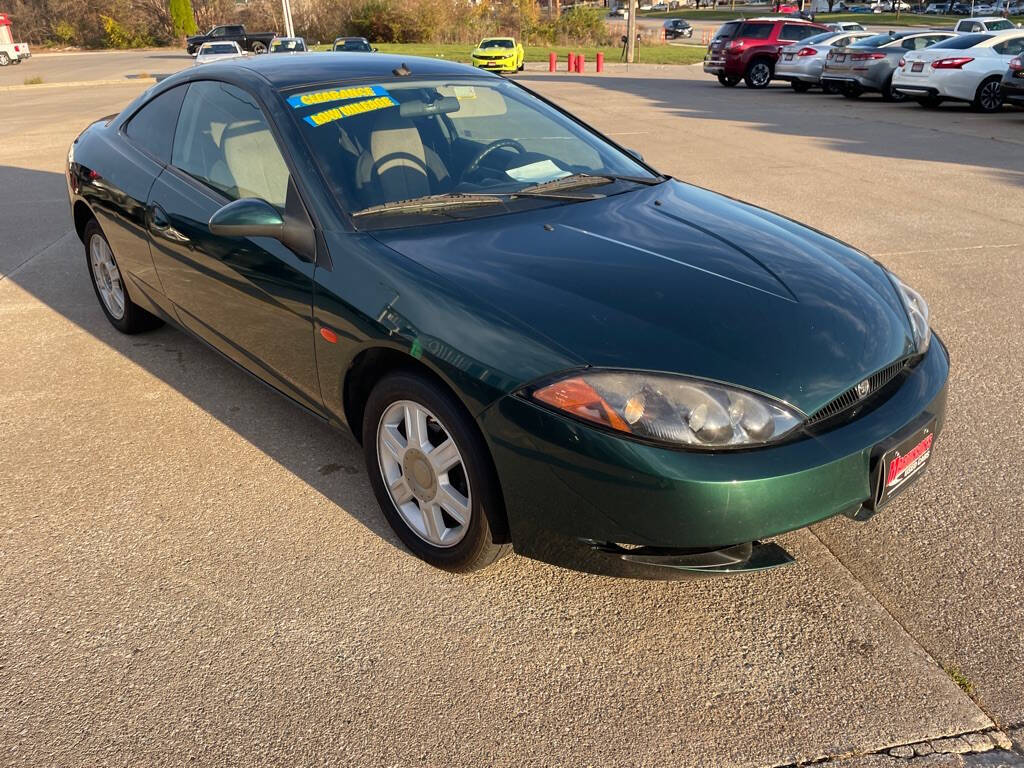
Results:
224 141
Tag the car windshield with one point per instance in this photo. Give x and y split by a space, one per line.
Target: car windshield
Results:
219 48
962 42
875 41
352 45
461 143
497 44
280 46
1000 24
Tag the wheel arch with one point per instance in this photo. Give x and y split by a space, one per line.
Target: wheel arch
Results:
82 214
371 365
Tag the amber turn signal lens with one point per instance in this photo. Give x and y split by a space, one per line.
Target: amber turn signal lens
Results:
578 398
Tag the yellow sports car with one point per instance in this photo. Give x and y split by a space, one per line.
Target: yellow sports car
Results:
501 54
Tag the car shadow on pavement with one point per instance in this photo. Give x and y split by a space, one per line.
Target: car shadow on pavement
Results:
844 125
53 270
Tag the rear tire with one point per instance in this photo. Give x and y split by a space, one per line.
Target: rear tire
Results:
799 86
989 96
430 494
109 286
830 89
852 91
4 59
728 82
929 102
889 94
759 74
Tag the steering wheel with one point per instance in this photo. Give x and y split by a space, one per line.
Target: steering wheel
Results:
494 146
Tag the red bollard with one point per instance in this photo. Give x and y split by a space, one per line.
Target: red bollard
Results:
581 63
552 61
600 61
572 61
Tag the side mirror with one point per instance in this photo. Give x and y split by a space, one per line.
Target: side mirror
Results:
248 217
635 154
374 50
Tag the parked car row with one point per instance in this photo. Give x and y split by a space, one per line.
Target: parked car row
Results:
984 69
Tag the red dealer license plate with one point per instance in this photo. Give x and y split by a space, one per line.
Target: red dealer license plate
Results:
900 466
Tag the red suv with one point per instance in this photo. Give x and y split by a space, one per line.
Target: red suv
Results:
749 48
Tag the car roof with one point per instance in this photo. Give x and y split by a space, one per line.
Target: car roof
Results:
983 18
499 37
345 39
999 36
310 68
283 39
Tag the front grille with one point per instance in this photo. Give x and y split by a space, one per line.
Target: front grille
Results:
851 397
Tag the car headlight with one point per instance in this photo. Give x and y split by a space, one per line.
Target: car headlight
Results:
671 409
917 311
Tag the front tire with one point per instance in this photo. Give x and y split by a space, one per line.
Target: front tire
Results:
989 96
799 86
111 291
759 74
432 473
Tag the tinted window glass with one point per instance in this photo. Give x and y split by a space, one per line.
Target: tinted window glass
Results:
756 31
727 30
224 141
795 31
822 38
874 41
1000 24
964 41
152 127
1010 48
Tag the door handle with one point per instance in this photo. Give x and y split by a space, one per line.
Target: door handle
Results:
160 223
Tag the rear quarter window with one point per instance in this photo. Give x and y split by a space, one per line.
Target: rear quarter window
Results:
796 31
754 31
727 30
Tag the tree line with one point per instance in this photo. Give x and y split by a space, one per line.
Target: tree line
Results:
143 23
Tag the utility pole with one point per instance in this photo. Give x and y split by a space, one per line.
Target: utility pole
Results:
631 31
286 10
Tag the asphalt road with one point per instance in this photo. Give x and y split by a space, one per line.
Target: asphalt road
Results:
193 570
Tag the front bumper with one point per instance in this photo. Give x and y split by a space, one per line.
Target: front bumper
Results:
583 498
501 65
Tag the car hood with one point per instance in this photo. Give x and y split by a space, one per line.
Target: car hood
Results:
675 278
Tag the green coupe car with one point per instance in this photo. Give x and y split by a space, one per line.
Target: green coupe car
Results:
541 342
499 54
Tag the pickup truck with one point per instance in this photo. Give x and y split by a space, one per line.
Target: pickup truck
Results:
231 33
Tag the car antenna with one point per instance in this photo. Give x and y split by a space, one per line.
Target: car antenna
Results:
402 71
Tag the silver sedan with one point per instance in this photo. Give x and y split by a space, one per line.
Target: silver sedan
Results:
801 63
869 64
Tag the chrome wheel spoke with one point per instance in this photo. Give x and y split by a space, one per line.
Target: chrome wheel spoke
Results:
400 491
433 523
415 426
392 442
107 277
444 457
454 503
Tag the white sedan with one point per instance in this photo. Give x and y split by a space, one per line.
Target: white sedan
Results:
210 52
966 68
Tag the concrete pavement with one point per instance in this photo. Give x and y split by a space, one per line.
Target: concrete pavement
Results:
193 570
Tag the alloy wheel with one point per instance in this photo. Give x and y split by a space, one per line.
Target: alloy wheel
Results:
760 74
990 96
259 48
106 276
424 473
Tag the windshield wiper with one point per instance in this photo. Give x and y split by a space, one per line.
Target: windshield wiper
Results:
578 181
429 203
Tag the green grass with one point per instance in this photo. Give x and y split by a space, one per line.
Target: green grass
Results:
873 19
649 54
958 677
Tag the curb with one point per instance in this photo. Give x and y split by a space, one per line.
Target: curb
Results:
77 84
